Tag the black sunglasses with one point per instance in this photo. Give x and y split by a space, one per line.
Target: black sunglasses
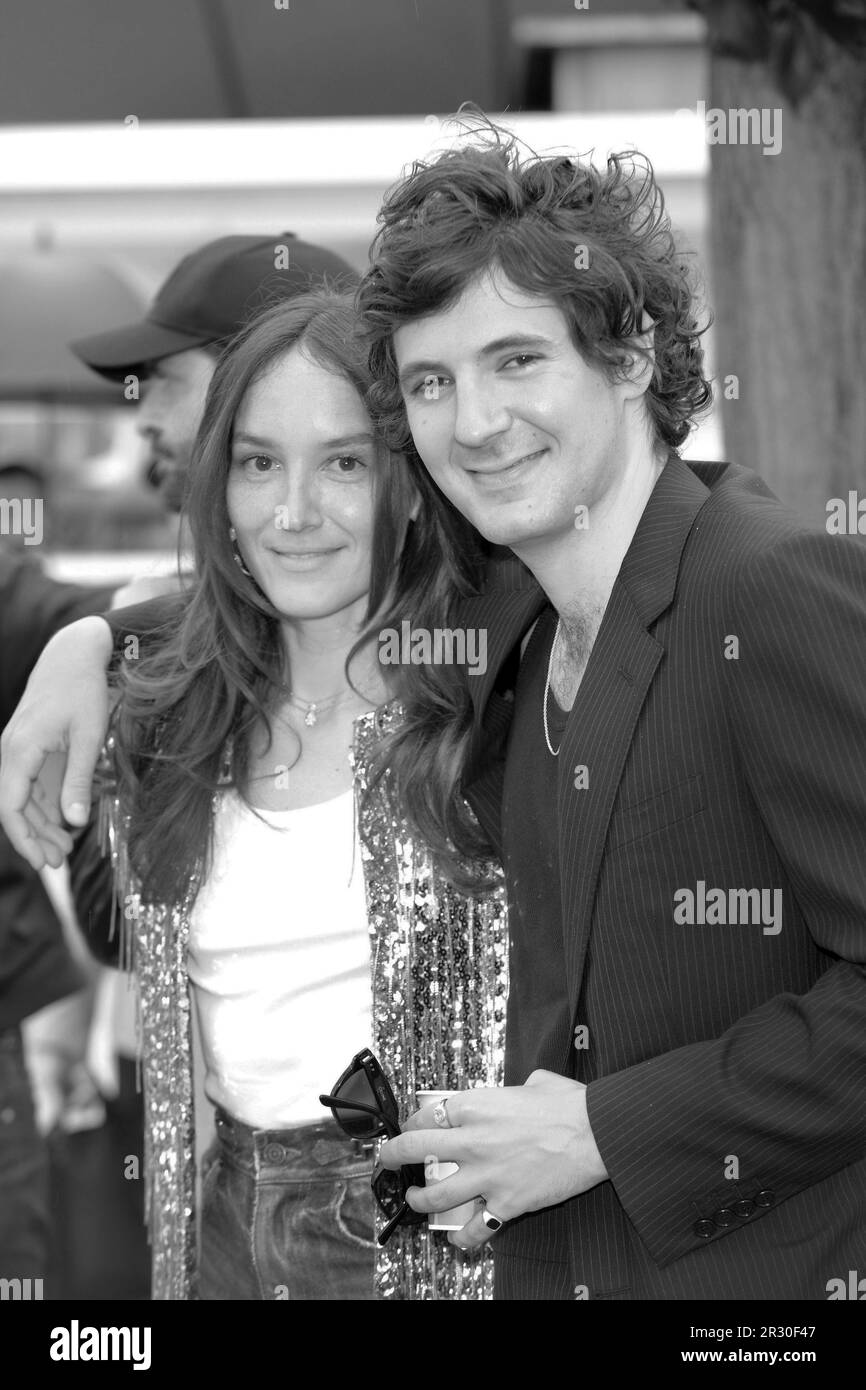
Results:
365 1108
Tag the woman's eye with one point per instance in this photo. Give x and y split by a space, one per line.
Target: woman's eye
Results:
258 465
347 465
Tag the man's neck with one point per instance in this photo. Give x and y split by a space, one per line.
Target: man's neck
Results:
577 570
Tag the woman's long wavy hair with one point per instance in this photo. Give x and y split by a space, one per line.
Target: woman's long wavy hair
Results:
215 670
598 242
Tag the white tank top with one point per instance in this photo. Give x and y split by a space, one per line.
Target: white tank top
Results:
279 959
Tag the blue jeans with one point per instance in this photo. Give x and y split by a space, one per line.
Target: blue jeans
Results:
24 1224
286 1214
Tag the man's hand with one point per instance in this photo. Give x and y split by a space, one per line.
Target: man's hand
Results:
522 1147
50 747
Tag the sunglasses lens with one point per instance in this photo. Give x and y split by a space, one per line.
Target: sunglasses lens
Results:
389 1189
357 1088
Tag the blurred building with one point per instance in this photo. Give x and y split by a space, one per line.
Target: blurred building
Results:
132 133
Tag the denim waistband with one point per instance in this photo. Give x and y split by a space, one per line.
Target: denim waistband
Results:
292 1151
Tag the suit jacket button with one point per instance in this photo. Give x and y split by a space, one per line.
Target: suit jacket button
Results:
724 1217
764 1198
743 1208
705 1229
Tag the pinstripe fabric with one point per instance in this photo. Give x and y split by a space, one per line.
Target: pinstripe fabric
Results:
723 1061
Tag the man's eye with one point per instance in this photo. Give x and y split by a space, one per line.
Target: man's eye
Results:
523 359
430 387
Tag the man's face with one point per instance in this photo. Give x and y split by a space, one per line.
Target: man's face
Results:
172 405
512 424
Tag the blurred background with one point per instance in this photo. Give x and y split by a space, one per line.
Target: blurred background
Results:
129 134
132 134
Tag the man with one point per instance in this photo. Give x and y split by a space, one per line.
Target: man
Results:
36 968
683 797
669 753
205 301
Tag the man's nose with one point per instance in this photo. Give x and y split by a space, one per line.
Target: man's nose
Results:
149 409
479 416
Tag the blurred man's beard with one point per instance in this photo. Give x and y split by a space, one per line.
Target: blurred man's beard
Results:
169 479
172 489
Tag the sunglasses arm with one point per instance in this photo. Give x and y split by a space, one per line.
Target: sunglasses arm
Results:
334 1102
387 1231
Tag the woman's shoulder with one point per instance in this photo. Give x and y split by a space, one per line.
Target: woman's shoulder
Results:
377 723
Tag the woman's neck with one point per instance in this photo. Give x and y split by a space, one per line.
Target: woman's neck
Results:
315 658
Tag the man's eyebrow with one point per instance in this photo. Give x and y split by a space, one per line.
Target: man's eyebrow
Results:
513 342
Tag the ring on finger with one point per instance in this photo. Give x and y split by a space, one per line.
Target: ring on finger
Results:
440 1114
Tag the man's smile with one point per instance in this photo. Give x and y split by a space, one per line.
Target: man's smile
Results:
497 474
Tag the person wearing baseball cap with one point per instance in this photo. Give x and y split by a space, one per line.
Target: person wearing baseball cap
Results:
173 350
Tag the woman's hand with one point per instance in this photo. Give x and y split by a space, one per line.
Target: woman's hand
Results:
50 747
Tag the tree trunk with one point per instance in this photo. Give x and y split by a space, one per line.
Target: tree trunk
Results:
788 236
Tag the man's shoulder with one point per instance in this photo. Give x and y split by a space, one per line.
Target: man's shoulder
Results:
743 519
739 497
746 536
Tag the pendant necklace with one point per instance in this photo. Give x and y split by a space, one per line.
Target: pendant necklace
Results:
553 751
311 709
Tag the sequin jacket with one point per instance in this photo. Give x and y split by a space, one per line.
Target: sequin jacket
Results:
439 963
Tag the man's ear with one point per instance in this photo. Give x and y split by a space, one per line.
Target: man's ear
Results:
640 364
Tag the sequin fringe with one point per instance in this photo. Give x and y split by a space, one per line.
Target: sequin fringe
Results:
439 963
440 984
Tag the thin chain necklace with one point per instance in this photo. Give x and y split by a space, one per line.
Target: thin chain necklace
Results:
553 751
311 709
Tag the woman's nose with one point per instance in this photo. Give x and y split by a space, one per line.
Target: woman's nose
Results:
299 508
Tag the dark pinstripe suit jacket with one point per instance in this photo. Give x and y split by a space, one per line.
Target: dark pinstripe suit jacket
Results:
726 1065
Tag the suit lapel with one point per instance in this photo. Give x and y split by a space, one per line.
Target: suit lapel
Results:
612 693
510 603
597 738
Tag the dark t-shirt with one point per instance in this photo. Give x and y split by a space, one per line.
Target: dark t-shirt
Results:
35 965
539 1022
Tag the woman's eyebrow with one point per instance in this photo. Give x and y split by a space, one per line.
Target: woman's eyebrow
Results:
258 441
343 441
346 441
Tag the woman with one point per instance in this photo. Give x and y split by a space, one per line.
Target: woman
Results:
243 740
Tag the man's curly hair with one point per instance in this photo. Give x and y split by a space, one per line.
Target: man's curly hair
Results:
598 242
599 245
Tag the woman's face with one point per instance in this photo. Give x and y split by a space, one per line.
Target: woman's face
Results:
300 489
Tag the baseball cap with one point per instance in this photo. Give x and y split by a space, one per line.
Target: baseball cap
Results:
211 294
